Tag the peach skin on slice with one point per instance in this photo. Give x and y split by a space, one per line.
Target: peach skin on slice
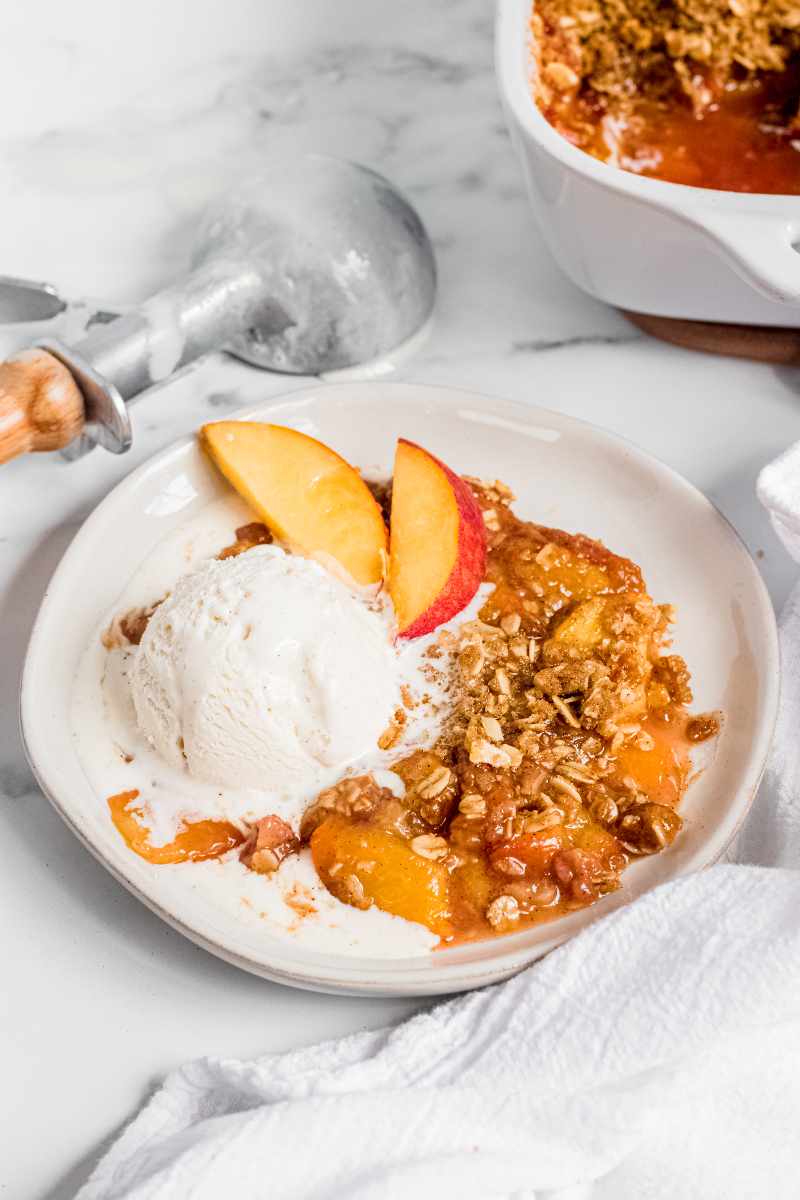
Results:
305 492
437 547
363 865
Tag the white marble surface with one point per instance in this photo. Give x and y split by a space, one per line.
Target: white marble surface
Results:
119 122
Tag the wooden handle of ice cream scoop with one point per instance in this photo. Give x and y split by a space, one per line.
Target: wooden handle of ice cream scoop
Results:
41 407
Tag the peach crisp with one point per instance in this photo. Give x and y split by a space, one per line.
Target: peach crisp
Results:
556 753
566 756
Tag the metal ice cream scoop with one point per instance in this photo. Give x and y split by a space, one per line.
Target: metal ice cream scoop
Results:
316 266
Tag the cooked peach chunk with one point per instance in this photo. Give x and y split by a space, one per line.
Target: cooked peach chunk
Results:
610 572
621 631
593 839
437 552
473 887
306 493
658 764
585 626
530 853
595 624
193 842
363 865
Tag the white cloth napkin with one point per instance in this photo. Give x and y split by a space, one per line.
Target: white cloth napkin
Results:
654 1057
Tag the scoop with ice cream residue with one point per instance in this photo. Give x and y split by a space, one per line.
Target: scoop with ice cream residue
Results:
311 265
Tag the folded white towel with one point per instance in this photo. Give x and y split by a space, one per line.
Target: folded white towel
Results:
772 835
655 1056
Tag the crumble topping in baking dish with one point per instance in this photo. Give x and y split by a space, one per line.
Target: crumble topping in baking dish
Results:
702 92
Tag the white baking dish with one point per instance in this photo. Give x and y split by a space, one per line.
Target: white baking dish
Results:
642 244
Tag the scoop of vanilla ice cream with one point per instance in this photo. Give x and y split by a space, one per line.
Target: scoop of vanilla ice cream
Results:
264 671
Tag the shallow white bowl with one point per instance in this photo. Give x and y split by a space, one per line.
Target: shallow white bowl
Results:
565 473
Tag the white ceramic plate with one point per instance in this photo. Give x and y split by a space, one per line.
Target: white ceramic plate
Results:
566 474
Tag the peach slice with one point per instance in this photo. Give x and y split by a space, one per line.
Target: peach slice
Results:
305 492
437 550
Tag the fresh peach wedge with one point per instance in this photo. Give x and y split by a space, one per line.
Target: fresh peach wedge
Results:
437 547
305 492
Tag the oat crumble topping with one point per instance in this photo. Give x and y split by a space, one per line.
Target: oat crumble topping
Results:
564 757
619 46
698 92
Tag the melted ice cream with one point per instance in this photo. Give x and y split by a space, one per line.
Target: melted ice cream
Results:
204 679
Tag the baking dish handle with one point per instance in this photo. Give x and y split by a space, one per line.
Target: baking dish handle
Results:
762 250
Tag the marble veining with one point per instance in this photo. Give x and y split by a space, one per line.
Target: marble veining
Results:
566 343
117 137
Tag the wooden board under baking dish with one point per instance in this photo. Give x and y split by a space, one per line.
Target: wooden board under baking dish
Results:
760 343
